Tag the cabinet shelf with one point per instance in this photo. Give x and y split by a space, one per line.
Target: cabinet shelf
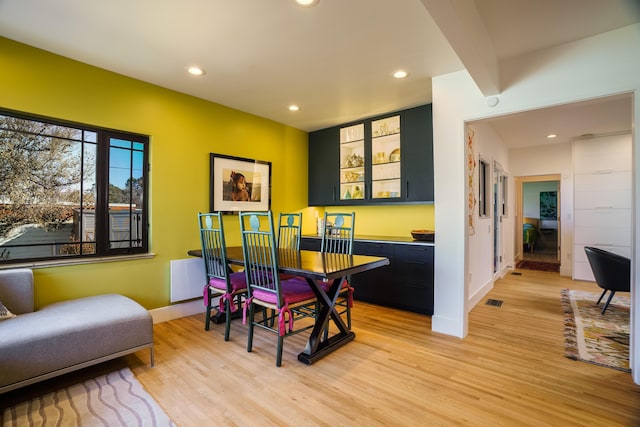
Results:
354 144
352 133
385 163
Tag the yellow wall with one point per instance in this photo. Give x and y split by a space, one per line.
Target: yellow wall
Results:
378 220
390 220
183 131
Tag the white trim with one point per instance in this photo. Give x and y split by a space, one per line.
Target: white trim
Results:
78 261
176 311
480 294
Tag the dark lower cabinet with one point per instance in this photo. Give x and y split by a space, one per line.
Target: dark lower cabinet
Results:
310 244
406 283
414 284
371 286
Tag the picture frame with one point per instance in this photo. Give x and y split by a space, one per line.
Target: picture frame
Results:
239 184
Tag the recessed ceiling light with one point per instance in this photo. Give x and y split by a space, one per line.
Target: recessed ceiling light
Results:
294 108
400 74
307 2
551 135
196 71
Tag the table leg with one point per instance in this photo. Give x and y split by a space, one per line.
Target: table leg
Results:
220 317
317 347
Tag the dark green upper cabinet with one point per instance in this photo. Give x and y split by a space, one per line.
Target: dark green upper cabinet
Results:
385 159
324 167
417 154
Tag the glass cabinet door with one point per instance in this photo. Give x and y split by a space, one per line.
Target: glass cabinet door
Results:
385 158
352 162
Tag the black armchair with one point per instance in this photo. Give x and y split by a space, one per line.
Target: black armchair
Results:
612 272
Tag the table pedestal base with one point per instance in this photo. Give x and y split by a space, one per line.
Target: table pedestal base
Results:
326 347
219 318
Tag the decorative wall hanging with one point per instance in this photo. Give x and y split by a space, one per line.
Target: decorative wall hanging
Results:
471 169
549 205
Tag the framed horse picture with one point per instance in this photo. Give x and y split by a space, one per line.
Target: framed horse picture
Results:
239 184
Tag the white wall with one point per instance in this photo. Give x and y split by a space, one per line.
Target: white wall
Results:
531 196
599 66
548 160
488 146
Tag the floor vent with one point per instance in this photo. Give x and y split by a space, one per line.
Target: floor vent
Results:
516 273
494 302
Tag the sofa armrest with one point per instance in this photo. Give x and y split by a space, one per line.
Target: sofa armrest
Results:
16 290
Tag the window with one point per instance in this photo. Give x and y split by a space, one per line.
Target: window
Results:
70 190
483 188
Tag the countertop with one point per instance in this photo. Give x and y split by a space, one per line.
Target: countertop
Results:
380 239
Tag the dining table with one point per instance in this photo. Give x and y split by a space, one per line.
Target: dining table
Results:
317 267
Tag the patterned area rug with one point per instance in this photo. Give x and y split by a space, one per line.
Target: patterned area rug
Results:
601 339
539 266
115 399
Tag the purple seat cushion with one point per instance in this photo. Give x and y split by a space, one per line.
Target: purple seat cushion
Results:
238 282
293 291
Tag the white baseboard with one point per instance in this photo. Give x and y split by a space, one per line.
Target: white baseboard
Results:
176 311
448 326
480 294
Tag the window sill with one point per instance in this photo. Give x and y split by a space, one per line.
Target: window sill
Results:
78 261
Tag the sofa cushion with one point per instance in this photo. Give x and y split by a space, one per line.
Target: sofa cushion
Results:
67 333
16 290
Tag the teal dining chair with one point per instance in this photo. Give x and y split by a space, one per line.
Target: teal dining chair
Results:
289 230
221 281
289 234
338 238
285 301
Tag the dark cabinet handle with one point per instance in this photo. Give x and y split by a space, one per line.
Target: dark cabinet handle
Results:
407 189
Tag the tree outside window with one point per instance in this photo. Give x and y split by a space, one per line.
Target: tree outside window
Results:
69 190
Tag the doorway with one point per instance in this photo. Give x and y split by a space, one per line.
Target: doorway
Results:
538 219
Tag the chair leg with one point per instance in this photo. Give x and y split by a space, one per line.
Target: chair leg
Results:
279 350
608 301
250 334
207 320
601 295
227 323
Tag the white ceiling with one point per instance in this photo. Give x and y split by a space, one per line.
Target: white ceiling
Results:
570 121
334 60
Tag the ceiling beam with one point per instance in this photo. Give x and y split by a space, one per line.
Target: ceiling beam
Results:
461 24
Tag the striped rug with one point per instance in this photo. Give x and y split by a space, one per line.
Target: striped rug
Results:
590 336
115 399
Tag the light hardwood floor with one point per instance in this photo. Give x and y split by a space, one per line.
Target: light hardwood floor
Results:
509 371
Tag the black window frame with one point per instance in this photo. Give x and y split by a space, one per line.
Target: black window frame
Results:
102 211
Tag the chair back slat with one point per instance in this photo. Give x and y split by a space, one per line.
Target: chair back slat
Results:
259 248
289 230
214 253
338 233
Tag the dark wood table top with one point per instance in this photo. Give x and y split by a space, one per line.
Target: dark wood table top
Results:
312 264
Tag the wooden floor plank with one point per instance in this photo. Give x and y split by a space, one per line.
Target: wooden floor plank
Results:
509 370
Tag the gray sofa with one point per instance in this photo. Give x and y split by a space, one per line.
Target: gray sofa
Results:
65 336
